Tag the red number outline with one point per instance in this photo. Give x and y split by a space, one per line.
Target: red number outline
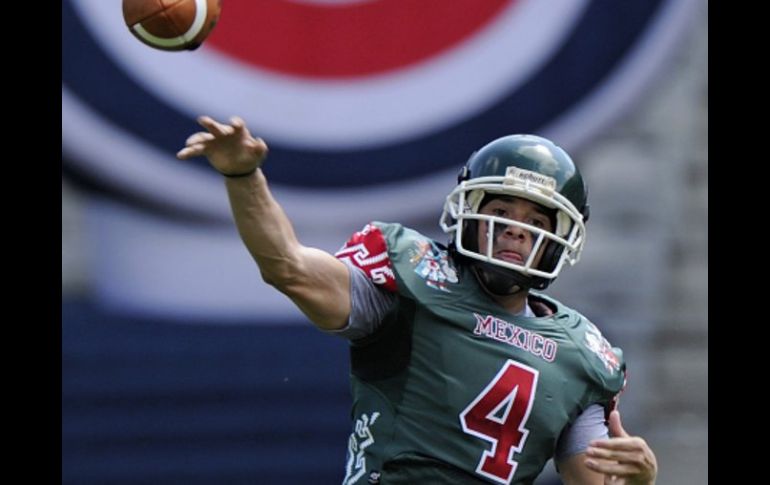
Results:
513 390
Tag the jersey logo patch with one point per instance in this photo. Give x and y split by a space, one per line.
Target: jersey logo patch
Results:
599 345
432 264
360 439
367 250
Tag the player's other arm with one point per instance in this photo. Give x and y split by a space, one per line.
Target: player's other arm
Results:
627 459
573 471
570 449
317 282
621 459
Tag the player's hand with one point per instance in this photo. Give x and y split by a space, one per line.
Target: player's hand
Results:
622 458
230 148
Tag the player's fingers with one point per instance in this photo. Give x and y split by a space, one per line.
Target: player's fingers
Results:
615 426
205 121
633 443
256 144
636 456
605 454
237 122
214 127
200 137
612 468
189 152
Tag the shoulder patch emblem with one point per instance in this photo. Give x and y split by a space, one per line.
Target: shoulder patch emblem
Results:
599 345
432 264
368 250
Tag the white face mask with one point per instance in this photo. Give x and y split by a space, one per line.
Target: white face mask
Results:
462 205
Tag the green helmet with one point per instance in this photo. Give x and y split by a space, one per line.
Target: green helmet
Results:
528 167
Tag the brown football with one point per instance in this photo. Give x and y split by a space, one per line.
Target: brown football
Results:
171 25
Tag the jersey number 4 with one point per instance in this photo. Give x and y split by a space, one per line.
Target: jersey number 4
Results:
498 414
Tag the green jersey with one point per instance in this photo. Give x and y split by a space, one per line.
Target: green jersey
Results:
451 387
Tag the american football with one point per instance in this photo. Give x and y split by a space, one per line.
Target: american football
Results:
171 25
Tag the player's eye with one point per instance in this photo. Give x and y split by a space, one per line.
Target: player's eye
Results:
539 223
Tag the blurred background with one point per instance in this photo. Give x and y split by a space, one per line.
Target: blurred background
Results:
179 365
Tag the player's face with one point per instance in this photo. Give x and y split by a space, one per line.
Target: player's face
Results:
513 243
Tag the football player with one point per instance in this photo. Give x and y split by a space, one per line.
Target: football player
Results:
462 370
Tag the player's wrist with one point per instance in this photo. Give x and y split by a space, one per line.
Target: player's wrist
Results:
241 174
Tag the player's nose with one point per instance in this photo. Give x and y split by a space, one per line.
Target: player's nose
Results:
514 231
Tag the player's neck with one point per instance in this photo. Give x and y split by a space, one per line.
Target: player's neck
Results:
515 304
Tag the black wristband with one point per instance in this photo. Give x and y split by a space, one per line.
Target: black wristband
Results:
237 175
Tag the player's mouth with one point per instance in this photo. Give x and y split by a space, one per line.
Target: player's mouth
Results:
509 256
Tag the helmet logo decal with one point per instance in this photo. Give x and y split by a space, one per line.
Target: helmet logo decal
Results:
530 180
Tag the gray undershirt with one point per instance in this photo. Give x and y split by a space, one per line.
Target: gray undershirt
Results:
368 306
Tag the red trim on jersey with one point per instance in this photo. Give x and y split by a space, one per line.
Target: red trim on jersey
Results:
613 404
368 250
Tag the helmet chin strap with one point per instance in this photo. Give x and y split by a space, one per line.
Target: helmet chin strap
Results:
497 282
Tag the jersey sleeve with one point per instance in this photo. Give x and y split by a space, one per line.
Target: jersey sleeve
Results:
604 363
369 304
367 250
589 425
